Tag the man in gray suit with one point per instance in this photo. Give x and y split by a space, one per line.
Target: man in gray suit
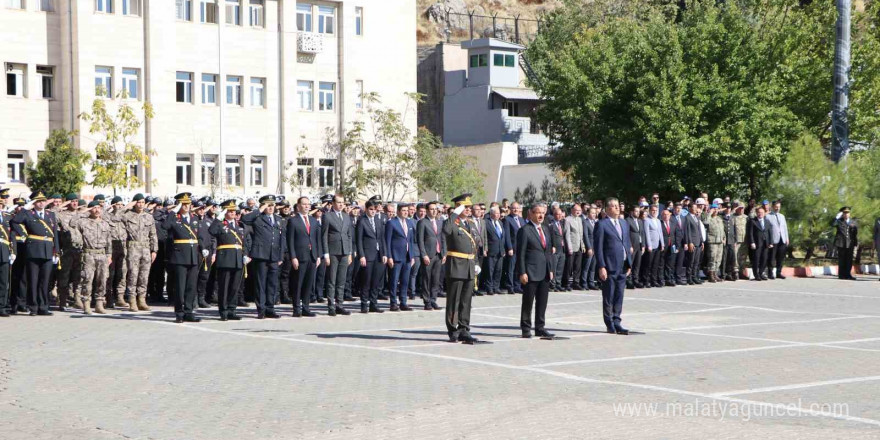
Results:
574 243
433 254
479 226
779 239
336 236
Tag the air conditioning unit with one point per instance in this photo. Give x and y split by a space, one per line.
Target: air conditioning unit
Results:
310 42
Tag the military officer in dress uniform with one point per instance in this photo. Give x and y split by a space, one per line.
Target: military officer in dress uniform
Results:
229 259
142 244
267 251
183 257
156 283
207 243
460 270
43 251
845 240
7 255
18 290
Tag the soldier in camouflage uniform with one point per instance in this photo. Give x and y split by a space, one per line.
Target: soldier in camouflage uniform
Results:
117 270
71 253
716 240
96 257
142 246
740 226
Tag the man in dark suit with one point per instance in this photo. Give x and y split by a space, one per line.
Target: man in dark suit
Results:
877 236
337 255
370 245
433 251
183 257
614 256
19 290
478 224
637 241
558 258
534 254
672 235
460 270
304 245
512 223
695 235
267 250
400 243
846 237
229 259
7 255
42 251
495 242
677 221
760 243
588 276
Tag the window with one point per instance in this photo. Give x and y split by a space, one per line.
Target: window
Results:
105 6
255 13
15 161
104 81
304 172
498 59
15 79
233 12
130 82
325 96
46 5
233 90
304 17
184 87
304 94
209 88
47 80
326 18
233 171
208 11
209 170
512 108
133 171
15 4
258 166
359 21
184 169
183 9
258 94
359 97
131 7
509 61
481 60
326 169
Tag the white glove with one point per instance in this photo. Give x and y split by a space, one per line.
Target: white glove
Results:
246 259
458 210
55 259
839 215
477 270
11 259
205 253
222 214
176 209
29 205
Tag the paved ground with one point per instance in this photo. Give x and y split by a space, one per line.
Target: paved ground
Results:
786 359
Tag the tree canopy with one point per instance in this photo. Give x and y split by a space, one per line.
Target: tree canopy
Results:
61 167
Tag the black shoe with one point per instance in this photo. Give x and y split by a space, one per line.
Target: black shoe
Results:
308 314
223 318
203 304
178 319
467 339
478 293
348 298
699 281
510 291
764 278
405 308
374 309
286 300
429 307
436 307
241 303
383 297
610 330
394 308
261 315
272 315
342 311
234 317
296 314
364 310
452 337
331 311
439 295
191 318
594 287
320 300
44 313
527 334
21 309
490 293
32 313
772 277
620 330
4 314
544 334
781 276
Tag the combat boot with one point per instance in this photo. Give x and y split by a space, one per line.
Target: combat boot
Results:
120 301
86 307
78 303
99 307
142 303
133 305
711 276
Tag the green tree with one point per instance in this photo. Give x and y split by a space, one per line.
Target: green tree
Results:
644 95
116 148
445 170
61 166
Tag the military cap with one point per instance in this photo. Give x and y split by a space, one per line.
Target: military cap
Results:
168 202
354 205
327 198
268 199
283 203
210 202
137 197
686 198
99 197
229 205
845 209
116 200
376 199
464 199
55 196
643 204
315 208
38 196
94 203
243 206
714 206
70 197
184 198
18 201
81 202
4 193
370 204
198 204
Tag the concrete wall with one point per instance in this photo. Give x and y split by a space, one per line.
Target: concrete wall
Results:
467 119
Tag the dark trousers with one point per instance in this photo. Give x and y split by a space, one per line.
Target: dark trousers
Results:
844 262
612 297
399 282
588 271
669 259
320 275
652 265
4 287
458 306
156 283
571 276
18 291
557 265
371 282
509 274
265 285
183 287
636 267
681 272
284 278
301 282
777 258
429 279
202 283
759 263
493 273
693 263
334 280
413 276
351 278
38 273
537 292
228 281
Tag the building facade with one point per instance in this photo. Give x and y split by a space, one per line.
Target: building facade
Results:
246 93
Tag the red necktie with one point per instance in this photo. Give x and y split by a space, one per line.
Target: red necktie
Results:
541 233
308 231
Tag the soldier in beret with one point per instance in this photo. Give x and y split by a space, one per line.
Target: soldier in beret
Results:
97 256
117 270
142 245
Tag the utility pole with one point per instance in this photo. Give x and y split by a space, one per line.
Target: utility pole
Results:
840 99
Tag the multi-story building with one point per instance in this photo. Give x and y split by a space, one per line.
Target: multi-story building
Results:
244 91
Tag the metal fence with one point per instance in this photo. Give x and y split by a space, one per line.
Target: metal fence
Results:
468 26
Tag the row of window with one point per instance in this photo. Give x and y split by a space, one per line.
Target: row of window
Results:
16 80
129 7
499 60
208 11
234 86
39 5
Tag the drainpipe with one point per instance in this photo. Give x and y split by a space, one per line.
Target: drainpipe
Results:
148 124
281 157
340 96
70 55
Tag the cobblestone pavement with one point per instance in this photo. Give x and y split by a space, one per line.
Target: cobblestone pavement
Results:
793 358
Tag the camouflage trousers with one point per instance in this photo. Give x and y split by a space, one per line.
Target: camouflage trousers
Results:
117 271
716 251
69 275
94 275
138 264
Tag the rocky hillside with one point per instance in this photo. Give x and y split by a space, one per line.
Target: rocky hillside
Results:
433 23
